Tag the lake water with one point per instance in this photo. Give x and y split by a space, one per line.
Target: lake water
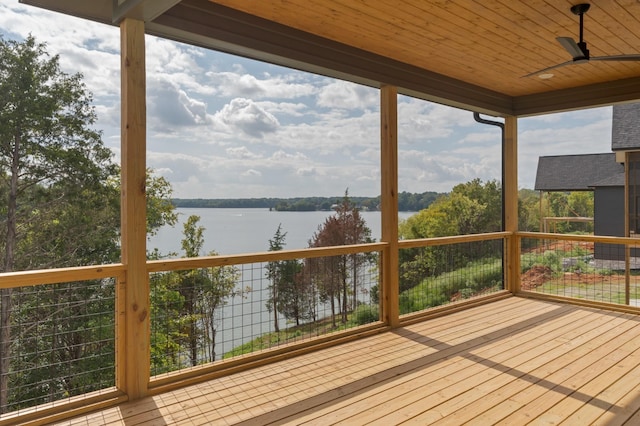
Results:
233 231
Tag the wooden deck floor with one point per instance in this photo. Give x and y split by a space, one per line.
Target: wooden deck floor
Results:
511 362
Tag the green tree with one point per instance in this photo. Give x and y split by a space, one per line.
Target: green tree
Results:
580 204
569 204
528 210
275 275
289 294
489 196
186 306
62 208
472 207
338 276
49 156
63 342
160 209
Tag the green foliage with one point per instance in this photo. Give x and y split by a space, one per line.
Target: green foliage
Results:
289 293
374 294
413 202
528 210
336 278
465 282
551 259
160 209
54 169
65 346
193 240
53 165
61 207
472 207
185 308
303 205
569 204
365 314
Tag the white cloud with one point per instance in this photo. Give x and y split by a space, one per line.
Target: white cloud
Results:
306 171
252 173
169 106
345 95
283 156
248 117
240 84
241 152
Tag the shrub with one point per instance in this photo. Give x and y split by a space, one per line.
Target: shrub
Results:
365 314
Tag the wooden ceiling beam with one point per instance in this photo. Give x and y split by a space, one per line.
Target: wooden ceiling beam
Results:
141 10
595 95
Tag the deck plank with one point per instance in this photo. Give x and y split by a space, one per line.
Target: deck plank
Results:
511 361
503 401
477 399
580 372
445 373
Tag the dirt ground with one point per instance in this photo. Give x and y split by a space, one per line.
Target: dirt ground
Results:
539 275
562 246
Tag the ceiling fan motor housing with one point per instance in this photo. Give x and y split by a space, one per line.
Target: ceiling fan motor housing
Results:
585 52
581 8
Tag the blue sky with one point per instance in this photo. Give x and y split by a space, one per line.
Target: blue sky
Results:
222 126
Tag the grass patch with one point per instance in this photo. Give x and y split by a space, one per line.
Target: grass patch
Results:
478 277
364 314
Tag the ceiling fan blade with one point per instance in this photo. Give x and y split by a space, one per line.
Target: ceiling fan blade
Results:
549 68
571 46
632 57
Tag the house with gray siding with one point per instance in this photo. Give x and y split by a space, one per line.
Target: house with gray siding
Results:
604 174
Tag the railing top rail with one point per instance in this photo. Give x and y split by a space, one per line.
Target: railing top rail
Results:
439 241
268 256
572 237
59 275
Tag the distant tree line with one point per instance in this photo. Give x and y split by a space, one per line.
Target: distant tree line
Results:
407 201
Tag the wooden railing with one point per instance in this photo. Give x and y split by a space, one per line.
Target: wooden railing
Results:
452 273
572 251
47 331
117 276
247 347
585 269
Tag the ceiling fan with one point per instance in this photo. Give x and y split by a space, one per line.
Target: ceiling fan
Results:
579 51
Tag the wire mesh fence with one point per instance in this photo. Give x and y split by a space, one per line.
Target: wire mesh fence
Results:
442 274
203 315
58 342
585 269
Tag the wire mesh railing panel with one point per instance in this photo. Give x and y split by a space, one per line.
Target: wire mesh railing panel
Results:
581 269
59 342
203 315
442 274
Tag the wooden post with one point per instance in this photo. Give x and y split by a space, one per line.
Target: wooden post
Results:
627 227
133 352
512 270
389 203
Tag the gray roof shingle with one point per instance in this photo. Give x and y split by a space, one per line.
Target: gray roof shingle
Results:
578 172
625 127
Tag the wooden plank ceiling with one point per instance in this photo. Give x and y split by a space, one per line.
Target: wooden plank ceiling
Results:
467 53
491 44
